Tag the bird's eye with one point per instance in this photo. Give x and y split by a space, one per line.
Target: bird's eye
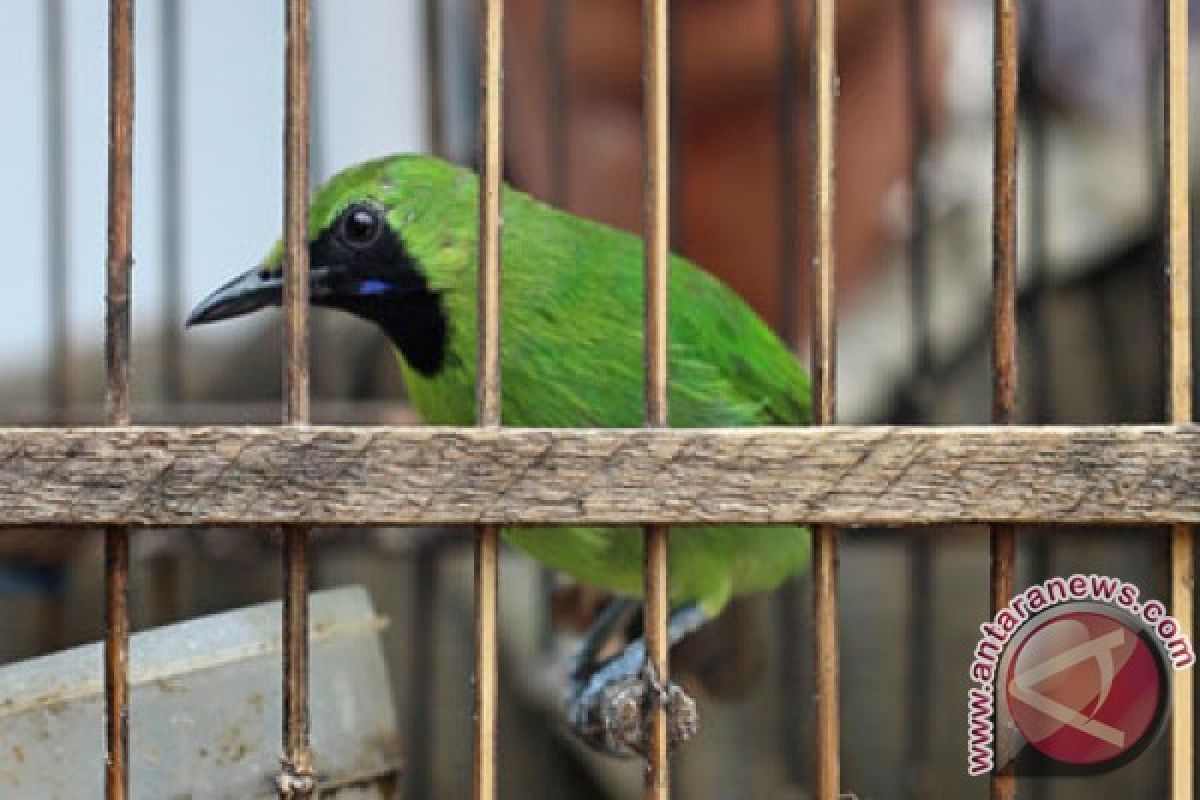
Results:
361 226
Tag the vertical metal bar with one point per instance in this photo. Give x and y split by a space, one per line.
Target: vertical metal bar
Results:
1179 391
824 91
295 221
171 110
656 233
116 662
1004 219
487 389
920 578
116 351
57 208
436 98
487 602
1004 310
120 210
296 778
487 392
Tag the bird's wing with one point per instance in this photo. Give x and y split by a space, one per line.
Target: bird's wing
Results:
572 337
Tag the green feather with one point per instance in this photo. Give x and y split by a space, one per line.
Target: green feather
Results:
571 356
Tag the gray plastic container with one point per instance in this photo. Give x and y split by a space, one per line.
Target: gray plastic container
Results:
205 709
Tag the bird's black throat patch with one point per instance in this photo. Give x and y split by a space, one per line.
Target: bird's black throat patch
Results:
382 283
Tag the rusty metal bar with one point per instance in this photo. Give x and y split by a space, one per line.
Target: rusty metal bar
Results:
120 211
1004 292
57 209
487 390
116 662
1004 220
116 351
296 779
656 232
295 219
1179 390
487 601
824 92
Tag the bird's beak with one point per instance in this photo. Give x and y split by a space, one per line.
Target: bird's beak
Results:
254 289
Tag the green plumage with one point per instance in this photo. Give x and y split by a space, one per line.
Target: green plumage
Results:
571 354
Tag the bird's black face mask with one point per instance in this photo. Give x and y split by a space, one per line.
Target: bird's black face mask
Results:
359 265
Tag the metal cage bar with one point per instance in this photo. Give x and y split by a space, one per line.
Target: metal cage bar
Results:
656 232
488 390
116 351
824 90
1179 389
1004 301
296 779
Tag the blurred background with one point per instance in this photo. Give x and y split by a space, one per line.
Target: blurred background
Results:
914 271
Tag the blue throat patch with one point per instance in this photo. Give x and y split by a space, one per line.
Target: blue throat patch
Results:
373 287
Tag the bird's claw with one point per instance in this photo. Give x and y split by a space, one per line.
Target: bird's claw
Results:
616 714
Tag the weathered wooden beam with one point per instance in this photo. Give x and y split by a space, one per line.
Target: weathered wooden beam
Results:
424 475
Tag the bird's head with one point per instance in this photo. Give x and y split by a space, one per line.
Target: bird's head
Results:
363 225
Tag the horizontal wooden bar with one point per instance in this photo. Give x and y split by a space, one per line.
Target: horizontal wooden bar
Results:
459 476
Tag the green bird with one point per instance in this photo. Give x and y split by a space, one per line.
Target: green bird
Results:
394 241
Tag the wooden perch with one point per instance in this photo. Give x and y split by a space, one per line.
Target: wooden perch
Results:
457 476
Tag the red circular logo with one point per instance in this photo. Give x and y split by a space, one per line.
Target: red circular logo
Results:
1085 688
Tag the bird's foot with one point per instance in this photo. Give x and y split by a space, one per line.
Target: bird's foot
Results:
613 711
